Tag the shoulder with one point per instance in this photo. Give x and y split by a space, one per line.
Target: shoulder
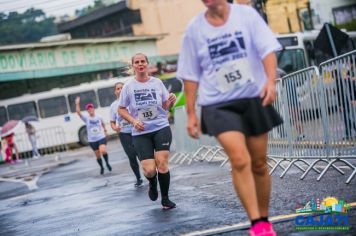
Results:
194 24
114 104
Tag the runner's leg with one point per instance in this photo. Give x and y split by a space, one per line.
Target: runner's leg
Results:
126 142
234 144
257 146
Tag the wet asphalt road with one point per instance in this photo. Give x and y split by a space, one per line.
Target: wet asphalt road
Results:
73 199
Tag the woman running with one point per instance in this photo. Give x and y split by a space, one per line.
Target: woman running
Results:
228 53
148 100
123 128
96 133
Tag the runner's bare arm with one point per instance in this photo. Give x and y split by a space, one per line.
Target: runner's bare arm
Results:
114 126
104 128
126 115
190 90
268 93
77 106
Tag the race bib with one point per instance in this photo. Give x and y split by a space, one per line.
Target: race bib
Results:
233 75
148 113
124 124
94 130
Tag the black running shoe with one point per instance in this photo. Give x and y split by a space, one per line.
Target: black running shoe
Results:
109 167
101 171
167 204
153 192
139 183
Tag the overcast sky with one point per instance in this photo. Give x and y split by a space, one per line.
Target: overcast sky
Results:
50 7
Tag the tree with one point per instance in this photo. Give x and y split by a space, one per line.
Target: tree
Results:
86 10
26 27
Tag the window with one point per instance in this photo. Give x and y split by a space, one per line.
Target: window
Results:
173 85
106 96
85 98
290 60
3 116
21 110
52 107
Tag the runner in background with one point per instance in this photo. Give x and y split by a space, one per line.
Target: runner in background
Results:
96 133
123 128
228 53
148 101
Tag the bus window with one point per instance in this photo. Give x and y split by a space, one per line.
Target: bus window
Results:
106 96
21 110
291 60
52 107
85 98
3 116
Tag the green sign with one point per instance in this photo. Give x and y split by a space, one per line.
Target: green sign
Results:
26 63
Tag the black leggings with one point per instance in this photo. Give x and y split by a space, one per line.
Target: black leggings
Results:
126 142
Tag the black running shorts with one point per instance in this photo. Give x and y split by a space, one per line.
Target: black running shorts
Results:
244 115
146 144
95 145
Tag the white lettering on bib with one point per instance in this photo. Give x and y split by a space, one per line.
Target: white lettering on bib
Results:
148 113
233 75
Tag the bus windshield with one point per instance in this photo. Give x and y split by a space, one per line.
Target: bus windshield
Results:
291 60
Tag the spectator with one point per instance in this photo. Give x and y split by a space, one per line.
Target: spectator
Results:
31 132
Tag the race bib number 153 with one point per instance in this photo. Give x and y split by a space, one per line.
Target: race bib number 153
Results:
233 75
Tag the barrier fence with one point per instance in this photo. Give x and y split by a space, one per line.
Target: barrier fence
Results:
48 141
319 113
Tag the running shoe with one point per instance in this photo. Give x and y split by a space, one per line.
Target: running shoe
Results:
167 204
153 192
101 171
109 167
262 229
139 183
269 229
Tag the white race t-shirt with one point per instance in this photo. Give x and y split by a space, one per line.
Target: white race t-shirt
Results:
227 60
125 126
144 102
94 127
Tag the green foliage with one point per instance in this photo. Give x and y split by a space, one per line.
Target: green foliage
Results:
86 10
349 26
26 27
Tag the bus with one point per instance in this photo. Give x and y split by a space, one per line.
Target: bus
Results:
56 108
299 52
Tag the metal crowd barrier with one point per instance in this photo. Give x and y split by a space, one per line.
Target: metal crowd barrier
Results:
50 141
319 118
319 113
189 149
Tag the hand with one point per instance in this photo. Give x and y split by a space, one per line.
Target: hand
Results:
172 99
193 126
77 100
268 93
117 129
137 124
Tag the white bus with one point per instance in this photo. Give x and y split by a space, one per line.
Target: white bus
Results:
299 52
56 108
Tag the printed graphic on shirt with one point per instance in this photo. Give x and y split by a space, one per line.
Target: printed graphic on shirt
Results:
145 97
228 55
226 47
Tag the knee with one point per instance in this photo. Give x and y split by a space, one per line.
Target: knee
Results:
162 166
259 167
149 171
239 163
